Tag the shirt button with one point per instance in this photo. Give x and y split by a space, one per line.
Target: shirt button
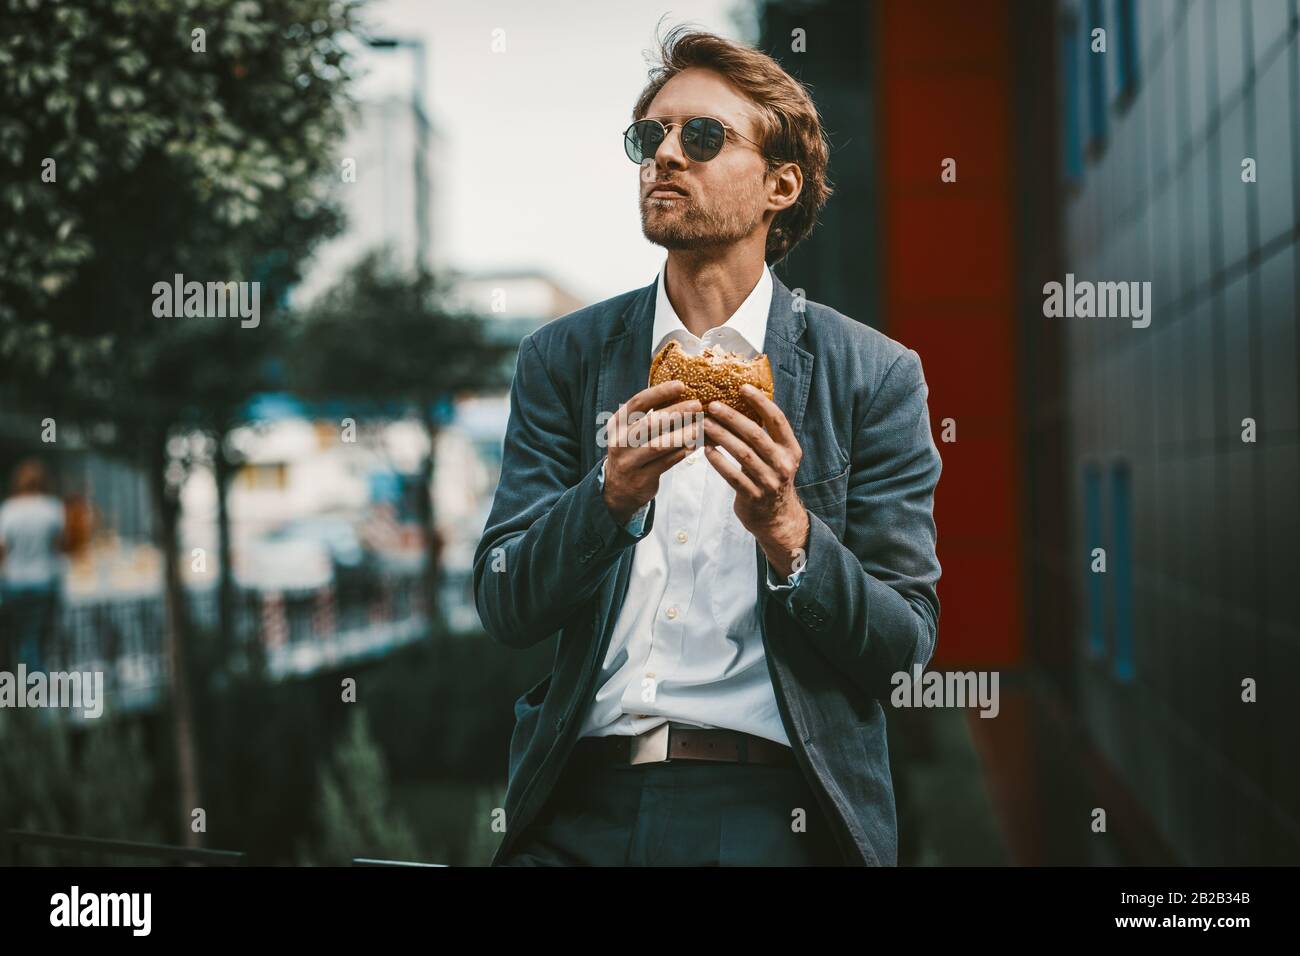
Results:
693 457
681 536
672 612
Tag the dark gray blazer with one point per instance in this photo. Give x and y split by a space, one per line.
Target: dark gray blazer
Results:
553 559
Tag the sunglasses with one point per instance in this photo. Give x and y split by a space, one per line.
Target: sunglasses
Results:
702 138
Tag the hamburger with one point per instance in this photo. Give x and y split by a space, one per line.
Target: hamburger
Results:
713 375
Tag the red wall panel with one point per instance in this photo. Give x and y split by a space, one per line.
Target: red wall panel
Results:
948 293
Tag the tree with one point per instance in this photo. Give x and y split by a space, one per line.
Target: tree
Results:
112 799
141 140
390 343
354 812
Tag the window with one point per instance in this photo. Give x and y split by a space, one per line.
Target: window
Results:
1072 145
1092 531
1097 105
1121 568
1126 50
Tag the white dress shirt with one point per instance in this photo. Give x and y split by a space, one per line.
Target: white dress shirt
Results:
30 527
686 646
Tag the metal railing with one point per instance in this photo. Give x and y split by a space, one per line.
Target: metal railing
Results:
300 631
366 861
12 843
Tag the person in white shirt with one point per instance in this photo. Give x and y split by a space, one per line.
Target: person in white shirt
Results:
729 617
704 665
31 566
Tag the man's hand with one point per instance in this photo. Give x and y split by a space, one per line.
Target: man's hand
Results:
643 448
766 503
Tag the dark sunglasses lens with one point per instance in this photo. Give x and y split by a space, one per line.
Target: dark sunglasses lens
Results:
702 138
642 139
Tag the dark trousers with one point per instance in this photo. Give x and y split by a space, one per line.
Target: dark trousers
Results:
27 619
682 813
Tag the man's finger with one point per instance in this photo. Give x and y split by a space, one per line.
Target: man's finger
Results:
763 474
642 401
750 432
662 421
656 396
731 474
778 426
688 437
617 426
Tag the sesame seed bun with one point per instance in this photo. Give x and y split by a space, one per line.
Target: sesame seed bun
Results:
716 378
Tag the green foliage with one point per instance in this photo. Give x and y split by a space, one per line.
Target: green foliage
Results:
210 164
445 709
139 140
453 820
484 840
91 782
380 334
285 778
354 812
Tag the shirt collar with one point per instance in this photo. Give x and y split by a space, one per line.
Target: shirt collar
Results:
744 332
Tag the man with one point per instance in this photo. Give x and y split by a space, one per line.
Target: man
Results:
729 616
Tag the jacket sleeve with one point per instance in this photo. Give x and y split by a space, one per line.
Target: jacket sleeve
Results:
550 540
869 603
636 524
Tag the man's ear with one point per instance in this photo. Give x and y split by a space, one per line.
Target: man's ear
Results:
786 183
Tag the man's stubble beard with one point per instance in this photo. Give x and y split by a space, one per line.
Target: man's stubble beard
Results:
693 227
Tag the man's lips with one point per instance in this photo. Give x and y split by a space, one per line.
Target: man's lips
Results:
666 191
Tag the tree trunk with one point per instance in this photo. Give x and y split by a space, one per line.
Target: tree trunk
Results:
428 518
167 511
223 471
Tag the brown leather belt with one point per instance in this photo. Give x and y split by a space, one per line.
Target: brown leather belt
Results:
667 743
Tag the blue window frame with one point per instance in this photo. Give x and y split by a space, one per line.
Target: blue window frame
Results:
1072 142
1095 582
1127 50
1097 104
1121 568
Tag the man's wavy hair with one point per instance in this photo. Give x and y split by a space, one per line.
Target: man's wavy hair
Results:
790 131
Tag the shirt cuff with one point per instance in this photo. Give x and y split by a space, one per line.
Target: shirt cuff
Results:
636 524
791 582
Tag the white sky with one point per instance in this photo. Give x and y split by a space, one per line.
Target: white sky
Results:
535 171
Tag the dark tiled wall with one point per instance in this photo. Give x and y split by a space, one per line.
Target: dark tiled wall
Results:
1214 563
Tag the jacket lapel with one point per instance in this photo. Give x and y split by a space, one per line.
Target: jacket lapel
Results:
792 379
791 364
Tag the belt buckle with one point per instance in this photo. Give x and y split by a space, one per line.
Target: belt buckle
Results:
650 747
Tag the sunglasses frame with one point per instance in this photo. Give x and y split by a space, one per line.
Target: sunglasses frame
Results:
668 126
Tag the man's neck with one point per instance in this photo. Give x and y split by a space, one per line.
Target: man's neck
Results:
706 289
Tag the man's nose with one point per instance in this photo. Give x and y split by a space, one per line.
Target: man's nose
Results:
669 155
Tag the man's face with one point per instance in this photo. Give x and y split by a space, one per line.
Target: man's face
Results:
723 200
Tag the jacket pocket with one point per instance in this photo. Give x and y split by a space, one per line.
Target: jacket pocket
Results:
826 496
537 693
530 702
